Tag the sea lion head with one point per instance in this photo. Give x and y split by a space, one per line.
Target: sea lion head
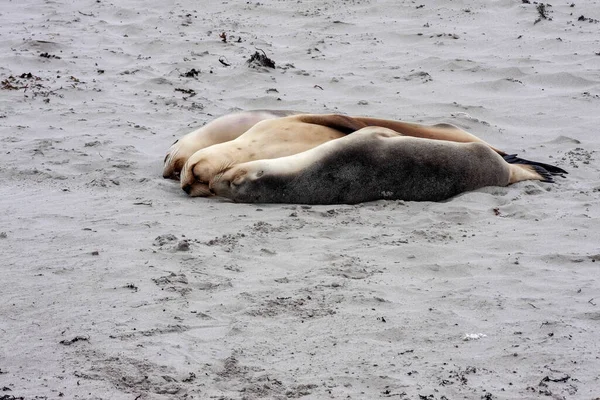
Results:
199 169
175 158
248 182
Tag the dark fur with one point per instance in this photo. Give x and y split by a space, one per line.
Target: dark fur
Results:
368 169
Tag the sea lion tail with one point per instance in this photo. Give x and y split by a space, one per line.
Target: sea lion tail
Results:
550 169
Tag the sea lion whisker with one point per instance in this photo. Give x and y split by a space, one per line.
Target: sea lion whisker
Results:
215 180
228 166
184 172
225 166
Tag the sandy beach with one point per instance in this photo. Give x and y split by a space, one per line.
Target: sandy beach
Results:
116 285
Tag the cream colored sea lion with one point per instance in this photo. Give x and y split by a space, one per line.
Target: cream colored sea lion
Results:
270 138
222 129
371 164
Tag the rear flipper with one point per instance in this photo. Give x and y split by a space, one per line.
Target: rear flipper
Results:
524 172
547 168
544 173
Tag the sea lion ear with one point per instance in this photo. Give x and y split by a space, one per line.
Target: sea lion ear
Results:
342 123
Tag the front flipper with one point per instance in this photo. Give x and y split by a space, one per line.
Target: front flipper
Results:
339 122
445 132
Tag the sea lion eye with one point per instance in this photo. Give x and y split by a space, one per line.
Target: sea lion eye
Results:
260 173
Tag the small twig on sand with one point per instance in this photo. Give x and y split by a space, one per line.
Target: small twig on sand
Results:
223 61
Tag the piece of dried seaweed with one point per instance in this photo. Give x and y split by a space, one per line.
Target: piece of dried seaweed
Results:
260 60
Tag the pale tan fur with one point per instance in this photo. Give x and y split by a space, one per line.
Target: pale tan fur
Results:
222 129
267 139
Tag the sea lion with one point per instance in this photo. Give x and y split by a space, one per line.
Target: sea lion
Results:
371 164
269 138
222 129
443 131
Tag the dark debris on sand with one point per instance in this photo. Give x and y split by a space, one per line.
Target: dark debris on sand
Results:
543 11
75 339
48 55
260 60
583 18
192 73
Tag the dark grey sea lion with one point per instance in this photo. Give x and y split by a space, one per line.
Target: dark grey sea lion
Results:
375 163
